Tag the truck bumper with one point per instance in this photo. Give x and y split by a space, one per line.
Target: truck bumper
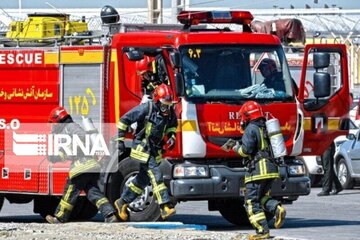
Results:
227 182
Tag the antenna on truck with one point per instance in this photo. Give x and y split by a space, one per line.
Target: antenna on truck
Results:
52 6
7 14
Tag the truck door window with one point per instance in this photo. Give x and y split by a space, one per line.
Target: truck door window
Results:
229 73
335 71
132 78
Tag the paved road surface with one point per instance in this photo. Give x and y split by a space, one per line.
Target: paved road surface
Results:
311 217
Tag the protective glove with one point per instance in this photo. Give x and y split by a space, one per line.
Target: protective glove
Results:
121 146
170 143
236 147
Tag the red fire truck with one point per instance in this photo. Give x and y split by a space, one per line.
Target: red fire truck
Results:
212 72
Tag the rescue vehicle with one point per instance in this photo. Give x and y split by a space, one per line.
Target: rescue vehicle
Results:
212 71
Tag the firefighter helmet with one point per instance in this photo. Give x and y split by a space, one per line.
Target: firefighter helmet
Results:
163 97
251 110
163 94
144 65
57 115
267 67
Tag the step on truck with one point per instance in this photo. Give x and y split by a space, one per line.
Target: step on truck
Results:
212 71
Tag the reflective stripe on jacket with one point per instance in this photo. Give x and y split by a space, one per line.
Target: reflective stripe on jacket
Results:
150 131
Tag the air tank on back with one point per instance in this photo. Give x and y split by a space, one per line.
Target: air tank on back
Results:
276 138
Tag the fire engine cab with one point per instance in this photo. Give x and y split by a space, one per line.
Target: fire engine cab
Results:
213 71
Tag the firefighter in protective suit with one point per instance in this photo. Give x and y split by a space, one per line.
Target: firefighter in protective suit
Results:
156 121
83 174
255 149
146 70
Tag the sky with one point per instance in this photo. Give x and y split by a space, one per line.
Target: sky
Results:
245 4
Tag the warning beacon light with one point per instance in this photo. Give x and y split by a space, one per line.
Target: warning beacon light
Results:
109 15
197 17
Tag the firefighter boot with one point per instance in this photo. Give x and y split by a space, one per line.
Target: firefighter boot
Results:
280 214
166 211
121 207
111 218
52 220
259 236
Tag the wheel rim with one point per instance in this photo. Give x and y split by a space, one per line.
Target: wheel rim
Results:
342 173
142 201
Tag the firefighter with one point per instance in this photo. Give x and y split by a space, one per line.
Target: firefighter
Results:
146 69
255 150
83 174
272 78
156 121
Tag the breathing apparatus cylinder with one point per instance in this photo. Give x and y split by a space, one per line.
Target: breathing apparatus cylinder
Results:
276 138
90 128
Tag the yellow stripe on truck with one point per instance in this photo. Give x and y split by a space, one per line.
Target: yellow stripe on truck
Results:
116 84
189 126
332 124
307 124
51 58
81 56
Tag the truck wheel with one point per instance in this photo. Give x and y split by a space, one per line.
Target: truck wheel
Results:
83 209
45 205
2 198
343 174
315 180
234 212
143 208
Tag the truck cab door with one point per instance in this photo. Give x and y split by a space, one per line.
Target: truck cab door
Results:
324 96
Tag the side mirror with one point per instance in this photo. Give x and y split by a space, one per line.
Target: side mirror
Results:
134 55
321 84
350 136
180 86
321 60
175 59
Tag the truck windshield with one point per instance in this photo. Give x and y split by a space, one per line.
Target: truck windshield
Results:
236 73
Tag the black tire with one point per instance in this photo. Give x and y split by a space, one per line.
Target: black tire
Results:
83 209
315 180
45 205
2 198
144 208
343 174
234 212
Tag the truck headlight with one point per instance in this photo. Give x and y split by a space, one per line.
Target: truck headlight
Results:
190 171
296 170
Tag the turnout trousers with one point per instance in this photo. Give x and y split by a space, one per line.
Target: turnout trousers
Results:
258 202
73 187
149 173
